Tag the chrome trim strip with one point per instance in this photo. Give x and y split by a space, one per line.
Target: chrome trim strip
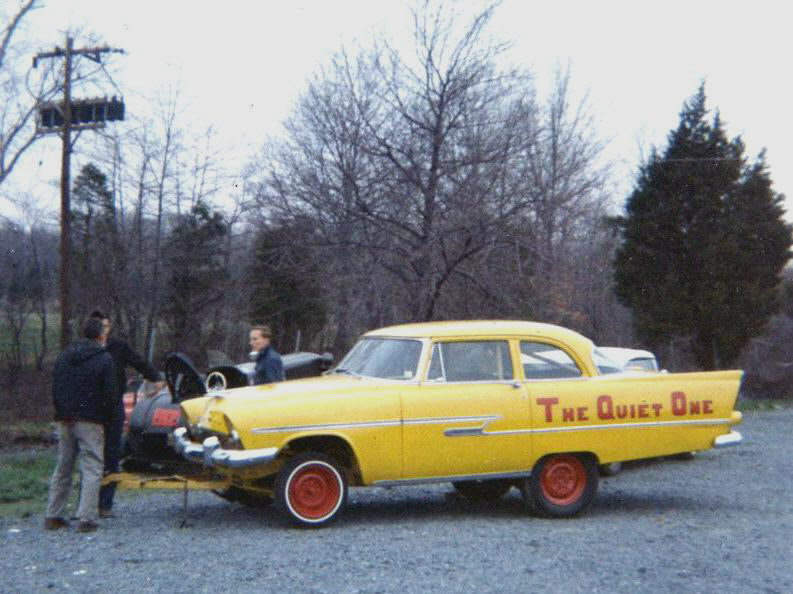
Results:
732 438
438 420
480 432
448 479
359 425
369 424
471 431
443 382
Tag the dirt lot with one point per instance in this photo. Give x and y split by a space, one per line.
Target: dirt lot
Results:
720 522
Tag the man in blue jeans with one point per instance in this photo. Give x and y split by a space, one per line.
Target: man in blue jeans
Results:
123 356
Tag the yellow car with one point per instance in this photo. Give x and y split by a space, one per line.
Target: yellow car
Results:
485 405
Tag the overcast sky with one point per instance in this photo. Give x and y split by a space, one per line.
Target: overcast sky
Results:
241 64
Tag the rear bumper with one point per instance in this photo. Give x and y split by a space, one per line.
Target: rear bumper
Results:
728 439
209 452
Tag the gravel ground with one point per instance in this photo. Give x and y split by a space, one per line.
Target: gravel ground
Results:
720 522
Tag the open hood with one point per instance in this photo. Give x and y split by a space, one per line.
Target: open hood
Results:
183 379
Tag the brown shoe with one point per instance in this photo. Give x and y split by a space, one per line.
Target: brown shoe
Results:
106 513
55 523
87 526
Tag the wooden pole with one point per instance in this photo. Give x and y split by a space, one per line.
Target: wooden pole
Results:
66 212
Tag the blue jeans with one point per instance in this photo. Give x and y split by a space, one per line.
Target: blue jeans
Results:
113 434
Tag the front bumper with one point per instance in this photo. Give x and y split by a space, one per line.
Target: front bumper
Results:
209 453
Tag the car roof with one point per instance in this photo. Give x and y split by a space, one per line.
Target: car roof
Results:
479 328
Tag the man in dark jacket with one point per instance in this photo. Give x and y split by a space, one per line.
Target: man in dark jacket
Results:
269 367
82 390
123 356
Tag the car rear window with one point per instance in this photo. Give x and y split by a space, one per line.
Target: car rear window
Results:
544 361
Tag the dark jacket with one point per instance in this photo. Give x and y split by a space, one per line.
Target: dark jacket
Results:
83 383
124 356
269 367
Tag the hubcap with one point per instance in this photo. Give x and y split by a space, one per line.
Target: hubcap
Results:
314 490
563 480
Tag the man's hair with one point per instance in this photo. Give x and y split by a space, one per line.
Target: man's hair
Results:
98 315
92 329
264 329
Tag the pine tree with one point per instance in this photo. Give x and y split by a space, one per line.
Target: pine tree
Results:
287 294
704 242
197 277
98 250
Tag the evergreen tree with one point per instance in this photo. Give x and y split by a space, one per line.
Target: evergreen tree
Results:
99 254
287 293
197 276
704 242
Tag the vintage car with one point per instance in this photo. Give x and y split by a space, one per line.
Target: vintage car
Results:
630 359
485 405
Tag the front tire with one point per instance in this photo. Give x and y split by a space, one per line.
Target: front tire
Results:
561 485
311 489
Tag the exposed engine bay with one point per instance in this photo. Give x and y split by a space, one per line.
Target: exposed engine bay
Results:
152 415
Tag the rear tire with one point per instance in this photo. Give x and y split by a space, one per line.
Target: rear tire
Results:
561 485
311 489
486 490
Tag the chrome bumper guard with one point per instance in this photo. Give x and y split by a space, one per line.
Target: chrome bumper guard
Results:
728 439
209 453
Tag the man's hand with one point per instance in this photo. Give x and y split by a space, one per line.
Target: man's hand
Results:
153 388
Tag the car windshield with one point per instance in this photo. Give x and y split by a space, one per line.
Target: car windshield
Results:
642 364
386 358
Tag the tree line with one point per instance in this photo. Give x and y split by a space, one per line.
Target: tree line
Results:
409 185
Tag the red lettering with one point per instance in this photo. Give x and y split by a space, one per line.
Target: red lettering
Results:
678 404
706 407
643 410
622 411
633 411
567 414
694 407
548 404
605 407
657 408
581 411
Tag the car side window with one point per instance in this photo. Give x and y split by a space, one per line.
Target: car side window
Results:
466 361
543 361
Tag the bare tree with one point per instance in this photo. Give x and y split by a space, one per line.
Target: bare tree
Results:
439 169
20 89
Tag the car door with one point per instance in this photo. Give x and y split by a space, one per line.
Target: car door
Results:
460 420
559 393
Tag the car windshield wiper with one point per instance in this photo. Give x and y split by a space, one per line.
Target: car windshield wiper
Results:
346 372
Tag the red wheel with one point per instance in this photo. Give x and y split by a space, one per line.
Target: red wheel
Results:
312 489
562 484
562 480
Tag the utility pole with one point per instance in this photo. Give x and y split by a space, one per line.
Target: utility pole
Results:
66 207
66 111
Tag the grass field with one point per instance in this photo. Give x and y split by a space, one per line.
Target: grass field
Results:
31 333
24 478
